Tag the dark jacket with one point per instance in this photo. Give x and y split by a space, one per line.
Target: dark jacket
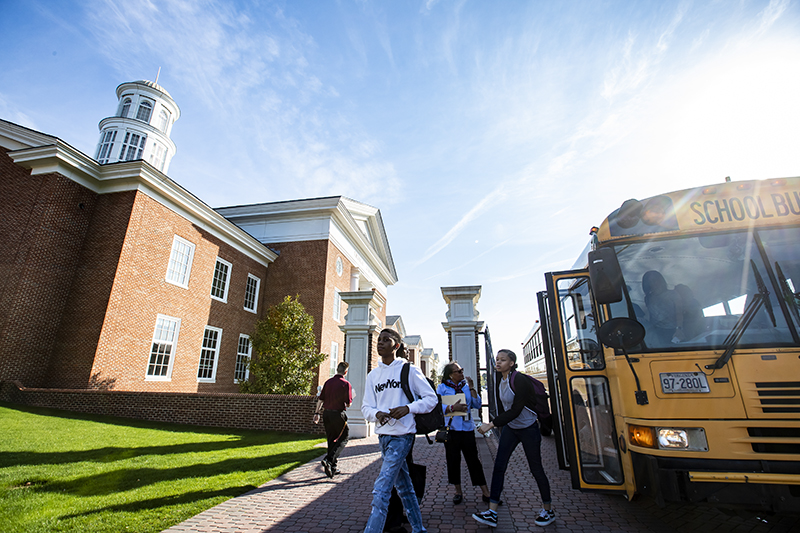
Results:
524 396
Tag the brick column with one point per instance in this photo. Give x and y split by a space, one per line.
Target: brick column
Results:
360 325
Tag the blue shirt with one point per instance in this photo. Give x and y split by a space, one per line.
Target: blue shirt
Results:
460 423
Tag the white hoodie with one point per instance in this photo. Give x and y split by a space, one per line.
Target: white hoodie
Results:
383 392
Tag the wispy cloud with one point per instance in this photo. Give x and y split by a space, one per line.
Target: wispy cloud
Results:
772 13
269 105
467 263
10 112
482 206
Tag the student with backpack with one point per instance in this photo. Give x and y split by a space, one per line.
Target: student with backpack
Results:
517 404
386 403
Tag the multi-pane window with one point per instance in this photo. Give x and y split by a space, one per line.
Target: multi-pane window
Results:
251 293
180 262
158 155
243 354
162 352
207 370
334 358
221 281
107 139
132 146
163 120
144 112
125 108
337 305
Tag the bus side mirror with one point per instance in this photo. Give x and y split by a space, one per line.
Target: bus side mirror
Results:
606 276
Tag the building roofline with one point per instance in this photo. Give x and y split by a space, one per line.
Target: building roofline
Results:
61 158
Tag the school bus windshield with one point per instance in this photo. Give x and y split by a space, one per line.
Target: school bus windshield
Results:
689 292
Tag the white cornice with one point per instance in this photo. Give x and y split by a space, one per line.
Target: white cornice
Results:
16 137
65 160
337 209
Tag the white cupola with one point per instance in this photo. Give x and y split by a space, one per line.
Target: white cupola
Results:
141 127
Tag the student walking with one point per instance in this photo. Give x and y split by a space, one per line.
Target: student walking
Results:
519 425
386 403
335 397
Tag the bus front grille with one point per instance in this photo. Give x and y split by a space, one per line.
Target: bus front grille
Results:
775 440
779 397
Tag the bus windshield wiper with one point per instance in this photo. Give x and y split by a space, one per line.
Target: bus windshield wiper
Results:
789 296
751 309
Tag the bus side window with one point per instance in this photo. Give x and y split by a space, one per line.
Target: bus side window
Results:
578 325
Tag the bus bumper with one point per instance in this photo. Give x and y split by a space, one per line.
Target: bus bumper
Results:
772 486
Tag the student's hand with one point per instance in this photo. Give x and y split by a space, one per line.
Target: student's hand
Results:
469 382
399 412
485 427
316 418
458 406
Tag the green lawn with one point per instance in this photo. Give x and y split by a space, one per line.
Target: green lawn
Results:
63 471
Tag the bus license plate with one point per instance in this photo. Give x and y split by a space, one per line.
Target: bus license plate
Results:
683 382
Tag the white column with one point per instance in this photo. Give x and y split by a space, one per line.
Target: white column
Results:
360 322
355 274
463 326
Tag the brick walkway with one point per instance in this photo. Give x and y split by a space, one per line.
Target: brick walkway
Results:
306 501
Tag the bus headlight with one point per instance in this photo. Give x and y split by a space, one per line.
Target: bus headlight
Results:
689 439
672 438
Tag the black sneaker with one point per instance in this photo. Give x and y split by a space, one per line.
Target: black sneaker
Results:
545 517
487 518
328 469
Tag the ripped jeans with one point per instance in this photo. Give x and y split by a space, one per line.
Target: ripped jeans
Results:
394 472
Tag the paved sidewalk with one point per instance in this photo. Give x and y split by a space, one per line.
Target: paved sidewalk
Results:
306 501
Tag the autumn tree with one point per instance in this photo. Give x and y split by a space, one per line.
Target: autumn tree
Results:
285 356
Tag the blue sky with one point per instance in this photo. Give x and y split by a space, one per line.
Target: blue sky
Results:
491 135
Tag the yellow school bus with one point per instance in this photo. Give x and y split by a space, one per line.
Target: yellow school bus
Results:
674 349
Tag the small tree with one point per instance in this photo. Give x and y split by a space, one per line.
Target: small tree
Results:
435 377
285 351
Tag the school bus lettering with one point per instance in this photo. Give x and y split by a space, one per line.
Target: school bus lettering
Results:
735 209
784 204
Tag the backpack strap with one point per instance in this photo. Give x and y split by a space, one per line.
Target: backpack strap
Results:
406 389
404 382
511 377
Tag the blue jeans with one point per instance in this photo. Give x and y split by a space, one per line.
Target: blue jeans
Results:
394 472
531 439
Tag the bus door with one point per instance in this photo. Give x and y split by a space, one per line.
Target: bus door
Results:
556 405
589 435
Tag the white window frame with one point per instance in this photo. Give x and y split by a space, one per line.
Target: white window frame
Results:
224 298
337 305
213 351
243 358
334 358
173 343
163 120
132 146
184 283
107 139
144 111
125 106
255 296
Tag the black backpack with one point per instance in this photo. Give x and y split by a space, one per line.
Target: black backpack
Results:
426 422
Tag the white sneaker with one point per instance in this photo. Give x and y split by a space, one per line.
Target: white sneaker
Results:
545 517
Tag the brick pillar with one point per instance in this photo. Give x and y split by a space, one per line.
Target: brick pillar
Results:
462 328
359 329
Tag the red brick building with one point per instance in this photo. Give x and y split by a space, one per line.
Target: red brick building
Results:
114 276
